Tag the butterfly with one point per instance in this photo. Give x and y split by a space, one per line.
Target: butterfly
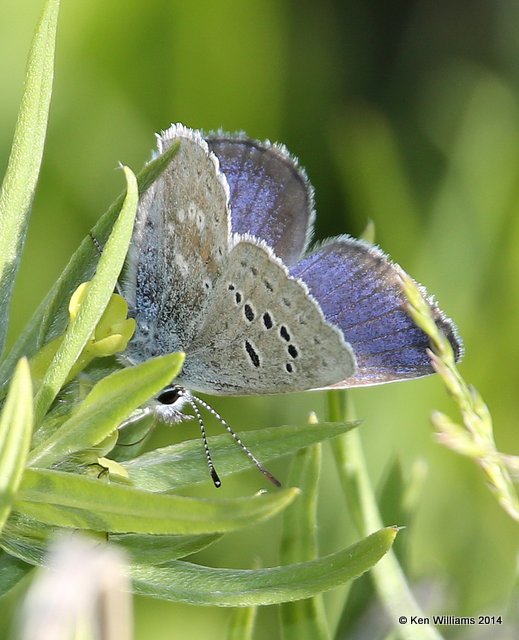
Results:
220 267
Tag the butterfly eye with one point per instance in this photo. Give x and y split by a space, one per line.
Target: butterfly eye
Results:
169 395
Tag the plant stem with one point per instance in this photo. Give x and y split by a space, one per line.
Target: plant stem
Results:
388 577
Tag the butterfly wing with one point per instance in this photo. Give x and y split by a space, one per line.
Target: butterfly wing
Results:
249 325
361 292
263 333
270 195
179 246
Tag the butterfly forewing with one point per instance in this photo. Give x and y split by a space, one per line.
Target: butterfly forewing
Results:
179 247
270 195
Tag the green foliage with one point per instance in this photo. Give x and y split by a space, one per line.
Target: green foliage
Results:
51 316
15 437
476 438
23 169
185 582
304 619
419 133
390 582
242 624
65 479
93 306
180 465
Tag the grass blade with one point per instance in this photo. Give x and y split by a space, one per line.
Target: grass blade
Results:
25 160
390 581
15 437
304 619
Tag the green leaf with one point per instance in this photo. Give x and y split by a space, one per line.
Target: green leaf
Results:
185 463
299 540
132 437
304 618
160 549
51 317
101 288
24 162
69 500
192 584
12 571
109 403
28 539
15 437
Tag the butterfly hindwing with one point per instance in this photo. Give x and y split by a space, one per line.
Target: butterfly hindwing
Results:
263 332
361 292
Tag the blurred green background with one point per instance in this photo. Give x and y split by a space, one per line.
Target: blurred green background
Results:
406 113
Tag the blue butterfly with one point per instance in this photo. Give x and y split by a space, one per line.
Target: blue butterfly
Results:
220 268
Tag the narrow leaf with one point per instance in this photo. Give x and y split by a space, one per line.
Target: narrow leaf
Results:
299 540
161 549
15 437
185 463
193 584
26 543
12 570
28 540
109 403
101 288
24 163
306 618
69 500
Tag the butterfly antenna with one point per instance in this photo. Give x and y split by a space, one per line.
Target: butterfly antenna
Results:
96 243
244 448
191 401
